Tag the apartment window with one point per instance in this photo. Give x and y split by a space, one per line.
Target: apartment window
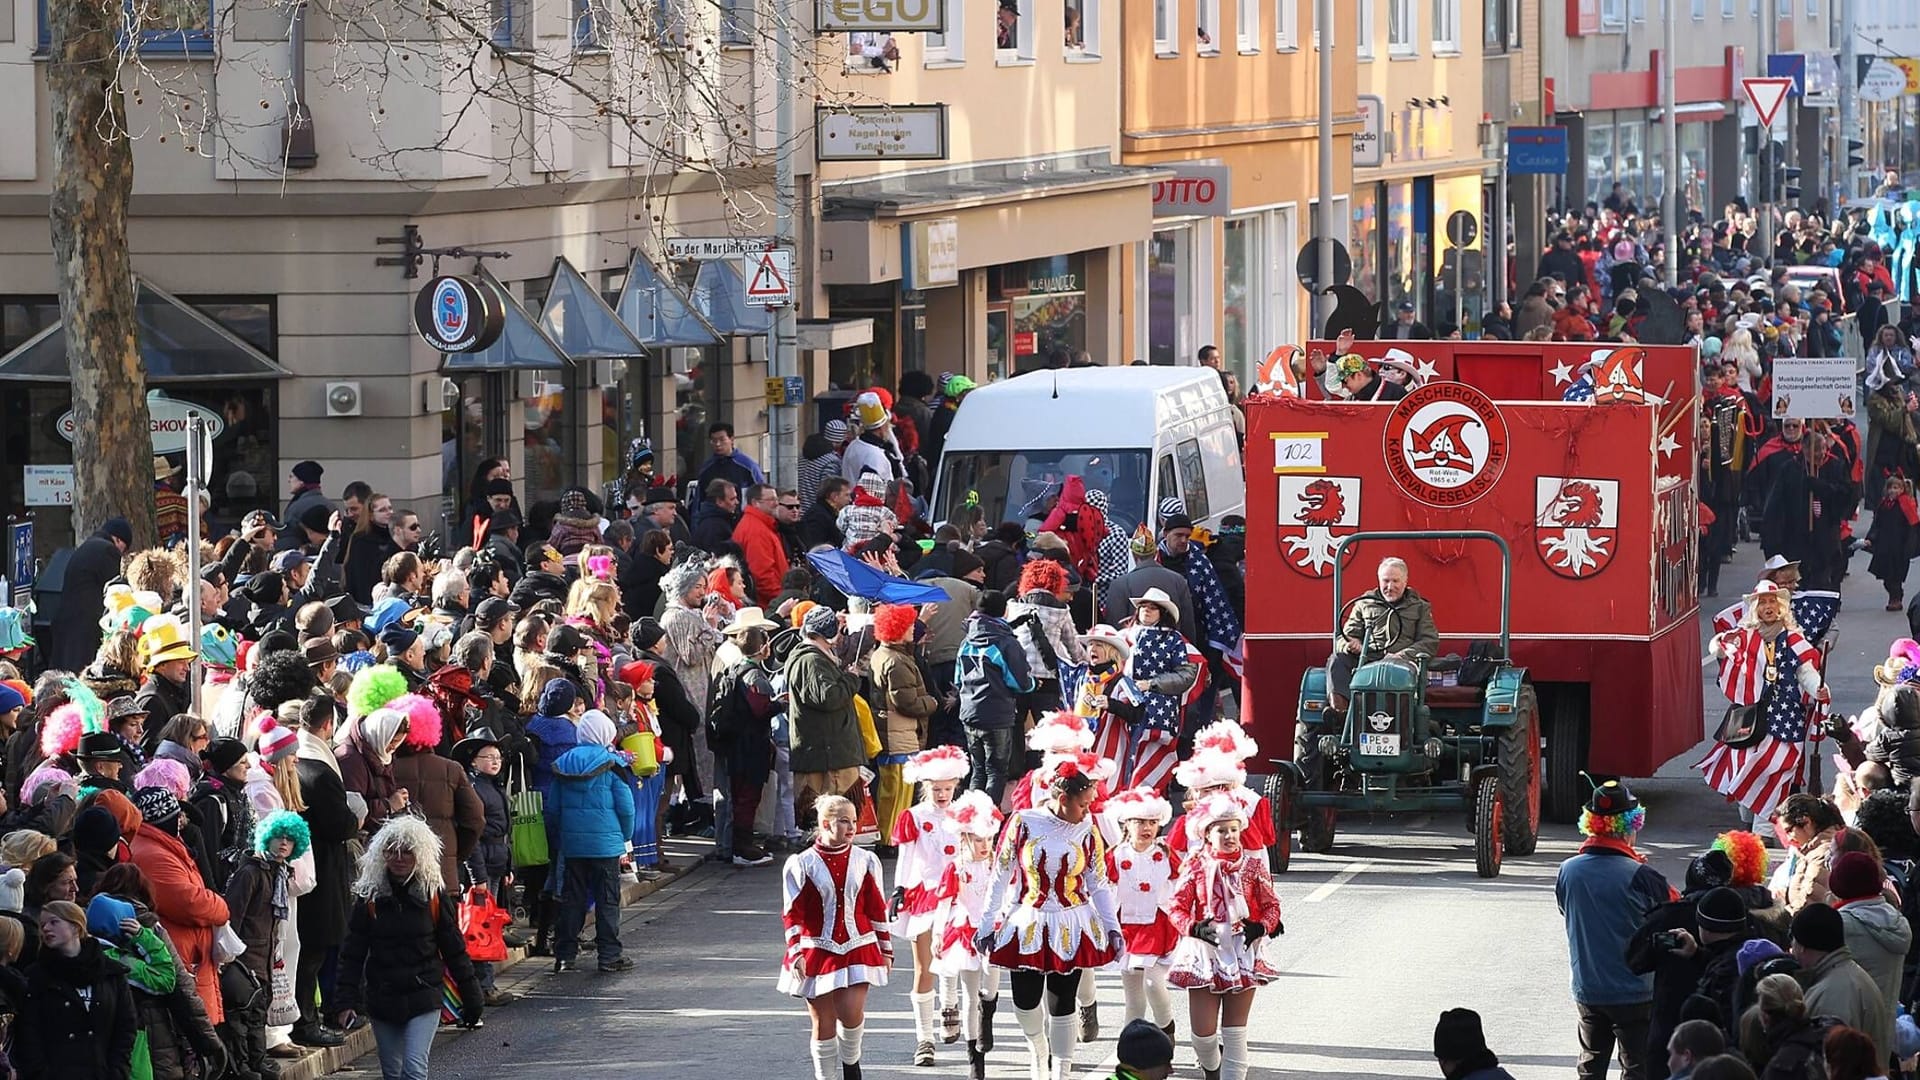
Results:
1401 18
950 47
1726 9
1446 26
512 24
1082 29
1246 25
1813 8
1783 10
1363 31
1166 22
1013 34
1316 30
1637 10
1208 30
1613 14
1494 24
736 22
167 27
1286 25
1699 10
872 53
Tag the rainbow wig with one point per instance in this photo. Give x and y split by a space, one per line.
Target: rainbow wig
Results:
1613 826
423 720
1749 855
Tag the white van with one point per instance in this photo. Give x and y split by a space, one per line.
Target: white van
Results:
1140 434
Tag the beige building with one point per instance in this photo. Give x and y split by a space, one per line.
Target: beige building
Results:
279 300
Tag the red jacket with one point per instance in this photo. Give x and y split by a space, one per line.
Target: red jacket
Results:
1081 527
759 538
188 910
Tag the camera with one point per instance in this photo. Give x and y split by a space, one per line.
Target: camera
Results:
1668 940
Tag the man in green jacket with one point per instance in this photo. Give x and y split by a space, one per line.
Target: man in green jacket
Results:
1145 1052
1391 620
826 751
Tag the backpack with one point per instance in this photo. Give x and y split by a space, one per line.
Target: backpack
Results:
726 709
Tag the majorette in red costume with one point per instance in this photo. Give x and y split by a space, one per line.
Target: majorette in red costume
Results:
926 855
1226 906
1218 767
835 914
1057 733
973 823
1144 870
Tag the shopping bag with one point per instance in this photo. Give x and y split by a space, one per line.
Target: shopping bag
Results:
483 923
527 836
869 735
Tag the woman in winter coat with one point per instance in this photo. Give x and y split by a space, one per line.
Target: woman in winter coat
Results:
220 809
1778 1037
365 550
77 1022
189 911
259 896
1044 624
902 705
1811 824
436 787
366 763
402 935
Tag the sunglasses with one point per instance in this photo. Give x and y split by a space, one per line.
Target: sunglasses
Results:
789 506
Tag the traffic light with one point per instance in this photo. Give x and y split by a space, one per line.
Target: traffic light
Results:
1854 156
1789 185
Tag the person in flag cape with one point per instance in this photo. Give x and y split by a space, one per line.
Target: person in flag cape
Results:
1089 691
974 823
1814 609
1144 870
1765 662
1218 619
1161 669
917 908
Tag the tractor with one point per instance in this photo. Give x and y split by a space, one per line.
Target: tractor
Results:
1413 741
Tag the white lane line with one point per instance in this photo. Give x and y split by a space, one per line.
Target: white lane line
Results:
1335 882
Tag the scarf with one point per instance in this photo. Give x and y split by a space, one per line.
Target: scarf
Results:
1219 626
315 748
1226 904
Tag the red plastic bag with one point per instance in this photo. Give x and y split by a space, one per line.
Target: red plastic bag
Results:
483 922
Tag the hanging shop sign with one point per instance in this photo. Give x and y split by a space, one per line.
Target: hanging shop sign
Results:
169 418
932 253
459 314
1369 143
877 132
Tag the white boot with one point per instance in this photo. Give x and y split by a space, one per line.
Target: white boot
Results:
1233 1053
925 1026
1063 1034
826 1059
1033 1024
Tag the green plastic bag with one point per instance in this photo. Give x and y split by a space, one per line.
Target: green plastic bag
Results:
527 836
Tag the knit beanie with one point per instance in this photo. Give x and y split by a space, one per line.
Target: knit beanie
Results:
1143 1045
965 562
104 913
13 890
1757 951
275 743
95 830
1458 1036
596 729
557 697
157 806
222 755
1854 876
1818 927
1721 910
124 812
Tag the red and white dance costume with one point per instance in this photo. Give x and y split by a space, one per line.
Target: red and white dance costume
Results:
926 854
835 917
1212 771
965 888
1055 734
1143 880
1227 910
1054 913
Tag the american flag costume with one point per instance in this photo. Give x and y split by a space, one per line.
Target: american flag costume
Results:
1814 609
1780 669
1153 749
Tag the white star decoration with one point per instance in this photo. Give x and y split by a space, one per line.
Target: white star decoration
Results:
1562 373
1668 444
1424 370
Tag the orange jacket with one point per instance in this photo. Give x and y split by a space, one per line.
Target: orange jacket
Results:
188 910
759 538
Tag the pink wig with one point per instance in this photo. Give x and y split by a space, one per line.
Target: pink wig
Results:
166 773
61 733
423 720
43 776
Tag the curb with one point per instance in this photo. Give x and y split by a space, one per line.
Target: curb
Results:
322 1061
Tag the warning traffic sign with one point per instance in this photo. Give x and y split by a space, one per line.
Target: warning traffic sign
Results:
1766 94
769 277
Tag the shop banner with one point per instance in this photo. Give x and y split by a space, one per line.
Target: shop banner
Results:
1809 388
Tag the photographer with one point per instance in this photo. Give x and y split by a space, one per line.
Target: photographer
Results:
1681 941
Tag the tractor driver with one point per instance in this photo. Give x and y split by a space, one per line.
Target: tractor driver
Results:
1391 620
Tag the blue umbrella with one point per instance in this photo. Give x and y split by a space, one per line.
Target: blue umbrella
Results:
855 578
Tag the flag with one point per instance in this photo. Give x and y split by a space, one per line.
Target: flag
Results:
1218 623
1154 754
1814 609
1758 777
1581 390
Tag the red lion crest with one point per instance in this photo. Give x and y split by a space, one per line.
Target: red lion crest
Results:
1577 506
1321 504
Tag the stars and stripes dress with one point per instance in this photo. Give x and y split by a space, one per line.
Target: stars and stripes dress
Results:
1780 670
1153 750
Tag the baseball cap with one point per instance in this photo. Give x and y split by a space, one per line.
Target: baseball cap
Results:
492 610
287 560
257 518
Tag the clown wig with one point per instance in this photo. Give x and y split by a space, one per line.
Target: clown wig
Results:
373 687
893 623
423 720
1749 855
282 823
1613 826
168 774
1043 575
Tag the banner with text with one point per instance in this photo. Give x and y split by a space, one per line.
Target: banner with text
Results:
1810 388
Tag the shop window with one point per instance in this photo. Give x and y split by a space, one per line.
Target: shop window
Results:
548 436
1363 231
1401 19
252 319
1446 26
1363 32
1166 32
167 27
1286 25
1241 331
472 422
949 47
1207 32
1246 25
1193 478
1046 302
872 53
700 385
1169 308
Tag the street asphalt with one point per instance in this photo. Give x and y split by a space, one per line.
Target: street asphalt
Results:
1382 934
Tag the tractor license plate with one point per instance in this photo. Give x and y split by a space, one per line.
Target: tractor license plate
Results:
1377 745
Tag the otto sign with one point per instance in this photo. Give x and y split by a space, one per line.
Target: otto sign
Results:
892 16
1205 190
170 416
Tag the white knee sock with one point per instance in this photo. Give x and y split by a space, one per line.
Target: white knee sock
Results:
1206 1050
1233 1053
1133 987
969 990
1086 990
1157 996
1033 1024
850 1043
925 1024
826 1059
949 988
1063 1034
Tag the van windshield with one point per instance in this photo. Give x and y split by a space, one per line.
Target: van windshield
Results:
1023 485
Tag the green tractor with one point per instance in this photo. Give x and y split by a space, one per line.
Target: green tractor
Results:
1408 744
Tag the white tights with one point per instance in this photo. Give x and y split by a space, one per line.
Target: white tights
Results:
976 986
1146 991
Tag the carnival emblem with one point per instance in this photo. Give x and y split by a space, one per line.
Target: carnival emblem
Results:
1617 377
1577 522
1446 444
1315 512
1279 373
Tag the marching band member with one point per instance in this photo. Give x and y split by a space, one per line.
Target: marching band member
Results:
837 944
926 853
1226 906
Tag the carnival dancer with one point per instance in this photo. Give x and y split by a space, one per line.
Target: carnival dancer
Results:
1053 735
1160 671
1057 920
1089 690
1771 671
837 945
1218 767
1226 906
1144 870
917 908
973 822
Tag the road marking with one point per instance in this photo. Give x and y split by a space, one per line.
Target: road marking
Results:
1334 883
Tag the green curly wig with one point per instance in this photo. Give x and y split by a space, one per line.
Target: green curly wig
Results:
374 687
281 823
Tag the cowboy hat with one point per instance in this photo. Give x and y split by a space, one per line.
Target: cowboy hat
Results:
749 618
478 739
1160 597
163 469
1109 637
1779 562
1769 588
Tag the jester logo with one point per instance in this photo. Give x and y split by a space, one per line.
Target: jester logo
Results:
1445 444
450 311
1315 512
1617 376
1576 524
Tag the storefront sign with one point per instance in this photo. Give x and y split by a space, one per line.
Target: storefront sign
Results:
1537 151
1203 190
1025 343
875 132
703 248
21 572
1369 143
48 485
169 417
932 253
1882 80
1808 388
1911 67
889 16
458 314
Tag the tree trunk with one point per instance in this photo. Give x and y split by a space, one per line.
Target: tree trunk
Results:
92 182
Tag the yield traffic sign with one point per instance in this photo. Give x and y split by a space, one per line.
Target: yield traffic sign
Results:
769 278
1766 94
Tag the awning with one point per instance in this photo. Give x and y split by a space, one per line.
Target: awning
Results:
522 345
657 312
177 342
578 320
720 296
